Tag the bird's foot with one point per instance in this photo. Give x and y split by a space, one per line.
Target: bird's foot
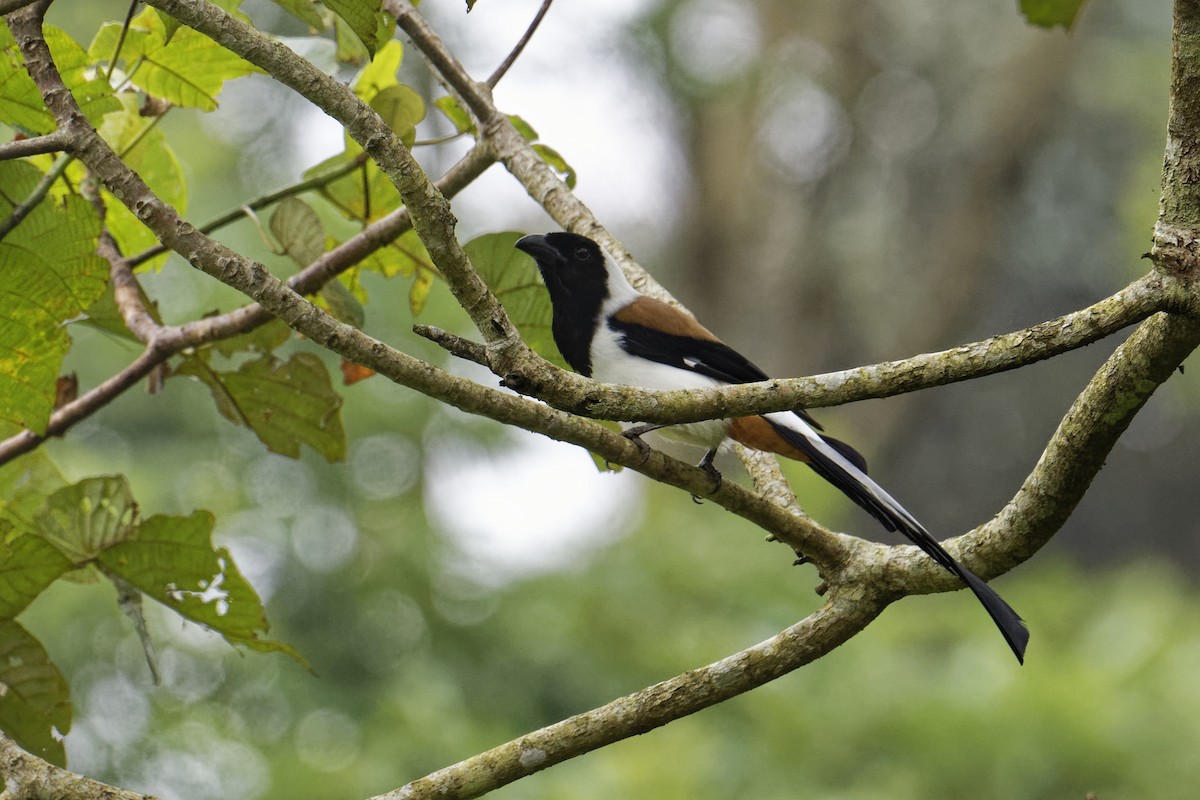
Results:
706 464
635 434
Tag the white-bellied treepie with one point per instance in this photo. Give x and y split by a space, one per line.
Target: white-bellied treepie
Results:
609 331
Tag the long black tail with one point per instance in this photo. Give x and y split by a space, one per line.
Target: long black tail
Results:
838 463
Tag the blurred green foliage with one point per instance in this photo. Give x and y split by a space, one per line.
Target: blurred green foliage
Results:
421 662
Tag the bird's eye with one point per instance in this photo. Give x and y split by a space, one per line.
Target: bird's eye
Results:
581 253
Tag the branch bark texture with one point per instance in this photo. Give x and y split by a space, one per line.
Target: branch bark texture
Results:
863 577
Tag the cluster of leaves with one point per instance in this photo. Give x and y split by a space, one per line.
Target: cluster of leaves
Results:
51 218
53 529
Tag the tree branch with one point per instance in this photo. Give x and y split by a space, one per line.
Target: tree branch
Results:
842 616
9 6
27 777
432 218
167 341
253 279
33 146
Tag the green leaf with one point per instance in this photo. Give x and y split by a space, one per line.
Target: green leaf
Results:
25 485
85 518
513 278
186 69
457 115
35 704
51 274
342 304
172 559
28 564
364 18
402 109
298 230
284 403
21 102
404 256
350 49
306 11
1048 13
363 195
524 128
560 165
104 314
262 339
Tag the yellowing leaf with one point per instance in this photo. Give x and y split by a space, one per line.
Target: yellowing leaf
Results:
402 109
457 115
362 195
381 72
51 274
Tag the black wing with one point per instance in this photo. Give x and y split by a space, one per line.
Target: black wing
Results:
712 359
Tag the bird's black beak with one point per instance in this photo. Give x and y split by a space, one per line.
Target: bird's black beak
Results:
541 250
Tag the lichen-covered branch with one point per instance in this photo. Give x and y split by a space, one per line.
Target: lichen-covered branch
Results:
167 341
840 618
27 777
432 218
254 280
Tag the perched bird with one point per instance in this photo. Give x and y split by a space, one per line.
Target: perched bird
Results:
609 331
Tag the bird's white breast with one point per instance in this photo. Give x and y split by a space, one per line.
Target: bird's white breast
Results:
611 364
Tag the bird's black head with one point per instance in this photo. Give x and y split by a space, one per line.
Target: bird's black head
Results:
566 260
576 276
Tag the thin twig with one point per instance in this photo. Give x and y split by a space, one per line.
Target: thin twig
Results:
116 53
259 203
33 146
168 341
495 77
455 345
22 209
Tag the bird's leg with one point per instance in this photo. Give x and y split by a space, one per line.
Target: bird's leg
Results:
706 464
635 433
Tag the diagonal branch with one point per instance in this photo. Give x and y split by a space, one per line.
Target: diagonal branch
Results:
840 618
432 217
167 341
32 146
254 280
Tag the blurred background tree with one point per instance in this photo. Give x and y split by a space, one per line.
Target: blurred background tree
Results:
826 185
